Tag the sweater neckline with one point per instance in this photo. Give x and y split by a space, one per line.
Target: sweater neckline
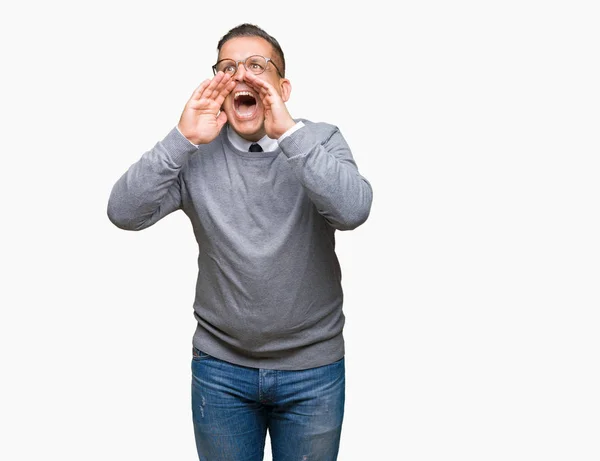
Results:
244 154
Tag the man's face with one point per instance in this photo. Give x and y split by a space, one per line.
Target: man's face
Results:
243 107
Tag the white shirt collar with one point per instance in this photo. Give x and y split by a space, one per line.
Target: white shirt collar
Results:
267 144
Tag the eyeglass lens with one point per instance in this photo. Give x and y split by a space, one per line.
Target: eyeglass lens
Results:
254 64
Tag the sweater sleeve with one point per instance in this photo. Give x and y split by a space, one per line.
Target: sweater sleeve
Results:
323 162
150 189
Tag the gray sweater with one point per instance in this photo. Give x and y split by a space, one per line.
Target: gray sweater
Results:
268 293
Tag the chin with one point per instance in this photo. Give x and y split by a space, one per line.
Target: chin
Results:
251 129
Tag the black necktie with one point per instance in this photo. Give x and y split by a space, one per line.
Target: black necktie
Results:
255 148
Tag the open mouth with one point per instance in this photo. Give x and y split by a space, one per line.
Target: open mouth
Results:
244 104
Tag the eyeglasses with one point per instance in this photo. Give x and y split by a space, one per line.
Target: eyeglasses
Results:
255 64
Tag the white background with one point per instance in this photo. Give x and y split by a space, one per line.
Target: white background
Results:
471 292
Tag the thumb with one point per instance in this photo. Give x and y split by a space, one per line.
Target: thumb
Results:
221 119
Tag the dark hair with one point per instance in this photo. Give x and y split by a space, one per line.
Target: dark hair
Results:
251 30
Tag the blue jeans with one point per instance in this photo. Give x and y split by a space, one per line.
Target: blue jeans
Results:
234 406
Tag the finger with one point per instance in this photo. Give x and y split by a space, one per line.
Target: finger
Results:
252 82
224 87
265 90
198 91
228 88
209 98
205 91
255 82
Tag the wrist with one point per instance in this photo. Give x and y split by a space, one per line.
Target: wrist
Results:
191 140
295 127
284 128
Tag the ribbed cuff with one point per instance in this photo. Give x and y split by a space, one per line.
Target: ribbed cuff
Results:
178 146
299 142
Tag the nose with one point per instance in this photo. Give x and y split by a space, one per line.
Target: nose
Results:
240 72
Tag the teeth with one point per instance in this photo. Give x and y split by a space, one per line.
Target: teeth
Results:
242 93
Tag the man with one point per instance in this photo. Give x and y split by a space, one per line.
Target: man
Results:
265 194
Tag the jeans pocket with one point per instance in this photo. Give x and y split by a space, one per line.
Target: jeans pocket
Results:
197 354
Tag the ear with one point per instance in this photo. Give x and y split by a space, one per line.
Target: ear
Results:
286 89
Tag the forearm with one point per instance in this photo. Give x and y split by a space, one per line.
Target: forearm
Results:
149 190
329 175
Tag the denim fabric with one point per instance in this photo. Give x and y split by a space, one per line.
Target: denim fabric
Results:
234 406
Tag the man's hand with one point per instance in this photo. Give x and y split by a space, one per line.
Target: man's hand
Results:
277 118
202 118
